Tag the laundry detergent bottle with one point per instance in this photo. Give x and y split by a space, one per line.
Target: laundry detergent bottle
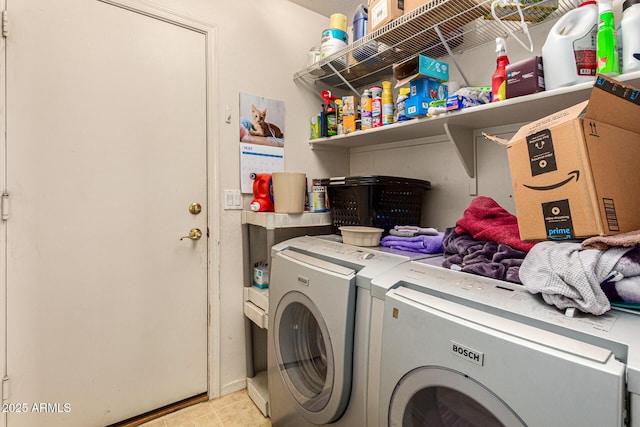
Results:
607 51
569 53
499 78
630 28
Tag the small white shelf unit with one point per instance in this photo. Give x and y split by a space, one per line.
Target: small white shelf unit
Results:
256 301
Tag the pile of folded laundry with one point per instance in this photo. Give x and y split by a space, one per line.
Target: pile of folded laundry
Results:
414 239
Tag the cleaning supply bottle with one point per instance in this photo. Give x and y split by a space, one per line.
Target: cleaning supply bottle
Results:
499 78
365 110
332 121
630 29
387 103
376 106
607 51
569 53
401 104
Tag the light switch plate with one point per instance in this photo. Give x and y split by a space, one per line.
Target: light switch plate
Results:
232 199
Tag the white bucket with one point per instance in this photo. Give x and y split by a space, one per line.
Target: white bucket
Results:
332 41
289 190
569 53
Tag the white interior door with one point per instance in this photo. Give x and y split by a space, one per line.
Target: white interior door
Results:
106 150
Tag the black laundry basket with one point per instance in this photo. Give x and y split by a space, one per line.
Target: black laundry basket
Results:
376 201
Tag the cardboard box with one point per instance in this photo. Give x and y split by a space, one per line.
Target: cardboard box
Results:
409 5
423 91
578 177
420 66
525 77
382 12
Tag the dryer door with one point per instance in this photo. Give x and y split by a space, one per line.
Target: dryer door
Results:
313 334
421 399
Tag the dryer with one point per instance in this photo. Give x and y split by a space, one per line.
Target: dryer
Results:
319 329
466 350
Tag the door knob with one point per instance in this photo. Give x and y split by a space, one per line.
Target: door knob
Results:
194 234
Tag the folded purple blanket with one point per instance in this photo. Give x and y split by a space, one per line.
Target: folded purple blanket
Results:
489 259
422 243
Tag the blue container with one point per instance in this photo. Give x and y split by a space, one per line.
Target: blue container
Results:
360 21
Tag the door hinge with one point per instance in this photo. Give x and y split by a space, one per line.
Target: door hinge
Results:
5 388
5 24
5 207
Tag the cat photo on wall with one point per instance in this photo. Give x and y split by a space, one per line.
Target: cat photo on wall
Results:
261 121
259 125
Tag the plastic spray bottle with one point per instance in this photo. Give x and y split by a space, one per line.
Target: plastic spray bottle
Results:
499 78
607 51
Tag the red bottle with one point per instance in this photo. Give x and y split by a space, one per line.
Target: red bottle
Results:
499 79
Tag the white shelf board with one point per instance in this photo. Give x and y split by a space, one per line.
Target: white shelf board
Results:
259 297
523 109
272 220
258 390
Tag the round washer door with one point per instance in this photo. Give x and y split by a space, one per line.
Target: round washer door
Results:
440 397
306 360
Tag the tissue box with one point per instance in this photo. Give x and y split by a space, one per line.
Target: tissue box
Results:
422 92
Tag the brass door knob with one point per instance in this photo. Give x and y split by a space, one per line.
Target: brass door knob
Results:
194 234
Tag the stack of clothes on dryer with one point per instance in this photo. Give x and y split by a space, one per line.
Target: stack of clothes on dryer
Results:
414 239
590 275
486 242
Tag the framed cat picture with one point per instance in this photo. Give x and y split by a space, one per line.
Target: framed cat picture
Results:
261 138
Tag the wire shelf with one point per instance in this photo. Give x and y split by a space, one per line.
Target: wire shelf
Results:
461 24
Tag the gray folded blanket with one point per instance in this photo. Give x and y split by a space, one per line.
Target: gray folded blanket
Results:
568 276
490 259
422 244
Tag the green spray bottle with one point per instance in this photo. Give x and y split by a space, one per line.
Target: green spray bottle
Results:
607 41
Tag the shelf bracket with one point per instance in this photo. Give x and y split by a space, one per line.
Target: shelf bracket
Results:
450 52
343 79
465 146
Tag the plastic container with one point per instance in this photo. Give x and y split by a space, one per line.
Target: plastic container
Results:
387 103
376 201
401 105
630 29
607 49
331 41
289 191
365 110
360 21
361 236
499 78
338 21
569 53
376 106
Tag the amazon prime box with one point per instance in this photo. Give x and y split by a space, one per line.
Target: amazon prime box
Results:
575 173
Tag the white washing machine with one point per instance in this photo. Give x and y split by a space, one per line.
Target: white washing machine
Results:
464 350
319 329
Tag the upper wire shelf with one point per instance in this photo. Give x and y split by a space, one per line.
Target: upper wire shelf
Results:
433 29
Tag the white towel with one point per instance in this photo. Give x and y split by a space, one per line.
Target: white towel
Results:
568 276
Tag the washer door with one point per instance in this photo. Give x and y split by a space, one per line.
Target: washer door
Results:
305 358
439 397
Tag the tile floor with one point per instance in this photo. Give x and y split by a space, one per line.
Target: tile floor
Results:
233 410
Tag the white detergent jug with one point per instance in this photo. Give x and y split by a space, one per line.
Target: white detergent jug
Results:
569 53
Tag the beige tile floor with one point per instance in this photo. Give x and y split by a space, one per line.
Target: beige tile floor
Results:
233 410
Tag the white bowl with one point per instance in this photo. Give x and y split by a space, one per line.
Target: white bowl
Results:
361 236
